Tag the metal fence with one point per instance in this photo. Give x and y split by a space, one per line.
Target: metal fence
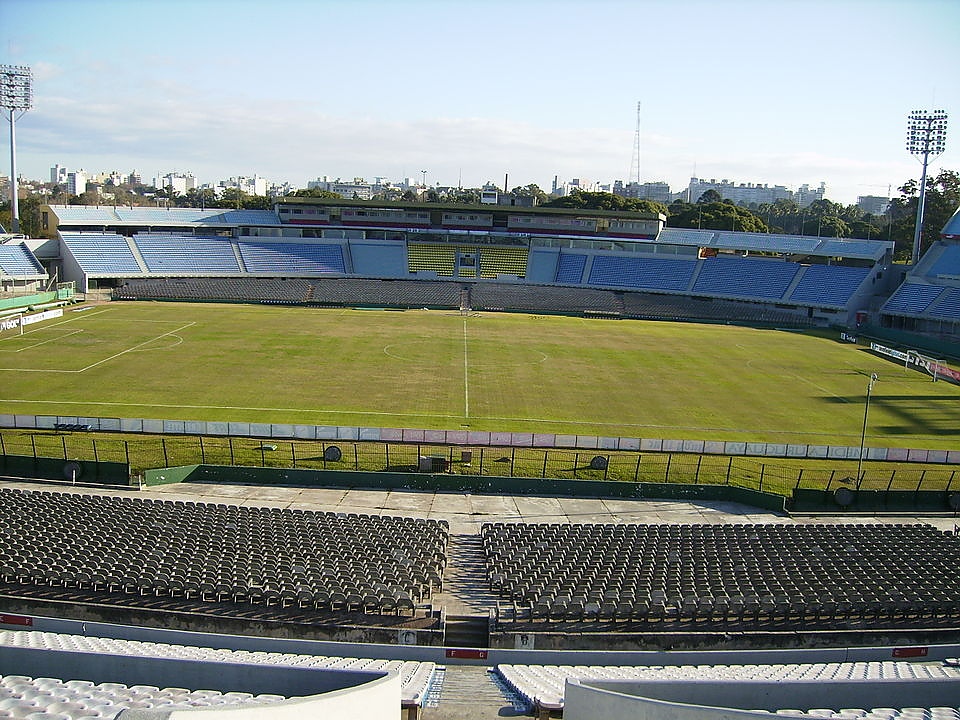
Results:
149 452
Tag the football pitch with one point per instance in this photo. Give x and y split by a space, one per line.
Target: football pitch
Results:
490 371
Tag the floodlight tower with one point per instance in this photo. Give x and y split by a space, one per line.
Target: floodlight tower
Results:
15 97
926 136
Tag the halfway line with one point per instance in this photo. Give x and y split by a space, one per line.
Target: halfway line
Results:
466 377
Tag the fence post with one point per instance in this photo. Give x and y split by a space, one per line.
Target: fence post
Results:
923 474
892 476
799 479
606 467
950 481
729 468
762 470
830 481
33 444
3 450
263 459
96 455
543 473
576 464
696 477
203 453
63 441
293 455
666 471
356 457
163 444
480 469
636 473
230 440
513 457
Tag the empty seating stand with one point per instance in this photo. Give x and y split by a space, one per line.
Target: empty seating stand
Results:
129 551
913 298
415 675
292 258
102 253
542 686
18 261
803 576
186 254
751 278
829 285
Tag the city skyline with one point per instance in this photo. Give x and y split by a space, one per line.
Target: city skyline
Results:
471 93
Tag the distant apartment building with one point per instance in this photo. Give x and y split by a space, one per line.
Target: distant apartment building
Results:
58 175
76 182
180 183
576 184
752 193
357 189
806 194
656 191
873 204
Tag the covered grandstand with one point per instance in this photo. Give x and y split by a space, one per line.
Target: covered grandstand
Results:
928 301
633 262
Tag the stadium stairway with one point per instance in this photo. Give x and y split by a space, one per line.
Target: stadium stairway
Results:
471 692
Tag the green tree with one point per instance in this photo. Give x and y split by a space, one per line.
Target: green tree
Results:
714 216
531 191
943 199
606 201
316 193
710 196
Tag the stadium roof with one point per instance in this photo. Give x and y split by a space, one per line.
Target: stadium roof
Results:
776 243
951 231
117 215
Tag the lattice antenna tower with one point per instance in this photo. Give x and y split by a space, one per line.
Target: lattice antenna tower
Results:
926 137
634 176
16 96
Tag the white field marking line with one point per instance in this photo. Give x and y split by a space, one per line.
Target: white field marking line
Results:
311 411
377 413
136 347
106 359
466 374
44 342
53 325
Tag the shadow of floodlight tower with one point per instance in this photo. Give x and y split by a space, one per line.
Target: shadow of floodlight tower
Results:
16 96
863 433
926 137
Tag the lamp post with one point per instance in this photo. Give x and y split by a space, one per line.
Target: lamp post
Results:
16 96
926 136
863 433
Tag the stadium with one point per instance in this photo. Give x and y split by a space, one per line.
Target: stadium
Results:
469 461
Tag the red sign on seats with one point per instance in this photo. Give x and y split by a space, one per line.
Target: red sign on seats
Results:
16 620
466 653
910 652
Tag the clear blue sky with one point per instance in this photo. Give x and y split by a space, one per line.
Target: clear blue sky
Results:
776 91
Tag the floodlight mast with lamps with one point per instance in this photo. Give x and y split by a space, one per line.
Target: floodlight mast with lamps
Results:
926 136
16 96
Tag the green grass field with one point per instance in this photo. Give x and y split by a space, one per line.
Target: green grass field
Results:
435 369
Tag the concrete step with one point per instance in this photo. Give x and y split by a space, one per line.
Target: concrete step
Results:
467 631
471 692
